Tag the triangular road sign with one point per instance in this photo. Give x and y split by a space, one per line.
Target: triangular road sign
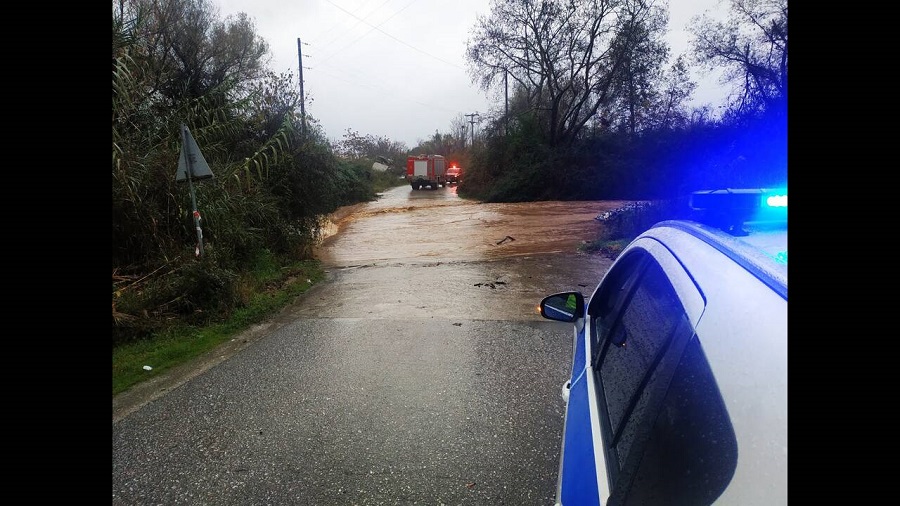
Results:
191 158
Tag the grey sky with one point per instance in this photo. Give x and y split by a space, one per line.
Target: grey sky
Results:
396 68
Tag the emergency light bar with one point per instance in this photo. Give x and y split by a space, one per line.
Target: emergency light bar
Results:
730 208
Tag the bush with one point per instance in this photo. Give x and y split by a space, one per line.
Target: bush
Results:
622 225
194 293
629 221
386 180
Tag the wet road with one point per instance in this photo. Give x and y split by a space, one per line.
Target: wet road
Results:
419 373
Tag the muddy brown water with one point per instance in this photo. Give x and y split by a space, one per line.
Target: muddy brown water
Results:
430 253
436 225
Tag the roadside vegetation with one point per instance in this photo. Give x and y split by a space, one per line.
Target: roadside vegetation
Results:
267 288
621 226
598 109
276 178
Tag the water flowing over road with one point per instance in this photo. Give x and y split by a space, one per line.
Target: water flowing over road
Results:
419 372
458 257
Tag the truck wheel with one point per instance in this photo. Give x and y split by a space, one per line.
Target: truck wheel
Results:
415 186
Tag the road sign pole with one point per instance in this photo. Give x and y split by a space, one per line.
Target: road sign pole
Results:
190 176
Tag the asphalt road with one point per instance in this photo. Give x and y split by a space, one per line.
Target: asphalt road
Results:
418 373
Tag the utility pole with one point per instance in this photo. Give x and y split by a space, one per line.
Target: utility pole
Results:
302 98
472 122
506 101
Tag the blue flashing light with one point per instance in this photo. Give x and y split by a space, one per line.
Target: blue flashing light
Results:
775 198
730 208
777 201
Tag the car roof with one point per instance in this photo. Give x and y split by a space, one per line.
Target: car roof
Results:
762 250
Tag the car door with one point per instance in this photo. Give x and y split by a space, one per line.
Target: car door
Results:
638 322
582 476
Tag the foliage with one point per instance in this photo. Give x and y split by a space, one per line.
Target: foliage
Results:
273 286
451 145
354 183
751 46
189 51
382 181
594 112
571 59
635 94
370 149
176 63
622 225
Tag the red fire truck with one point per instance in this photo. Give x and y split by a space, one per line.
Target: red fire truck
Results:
426 170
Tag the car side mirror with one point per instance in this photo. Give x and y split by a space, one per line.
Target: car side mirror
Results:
563 307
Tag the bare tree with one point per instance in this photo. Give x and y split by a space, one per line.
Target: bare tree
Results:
569 55
676 89
751 46
636 90
459 127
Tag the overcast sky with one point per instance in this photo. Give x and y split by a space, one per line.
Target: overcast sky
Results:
396 68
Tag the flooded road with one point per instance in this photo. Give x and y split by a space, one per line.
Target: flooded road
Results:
427 226
419 372
431 253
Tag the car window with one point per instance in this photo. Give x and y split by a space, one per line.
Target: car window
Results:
690 453
634 345
659 404
612 295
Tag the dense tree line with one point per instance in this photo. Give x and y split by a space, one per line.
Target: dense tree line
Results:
177 62
598 108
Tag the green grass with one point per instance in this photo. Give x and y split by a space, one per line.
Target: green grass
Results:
177 344
610 248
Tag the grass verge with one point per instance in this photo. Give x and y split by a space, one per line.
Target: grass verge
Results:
610 248
181 343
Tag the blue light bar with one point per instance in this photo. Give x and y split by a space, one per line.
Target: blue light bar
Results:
730 208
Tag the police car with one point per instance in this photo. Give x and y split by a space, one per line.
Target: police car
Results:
678 391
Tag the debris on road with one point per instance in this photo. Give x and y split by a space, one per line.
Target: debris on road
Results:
507 238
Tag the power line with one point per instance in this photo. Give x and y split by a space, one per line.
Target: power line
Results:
395 38
338 34
383 91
